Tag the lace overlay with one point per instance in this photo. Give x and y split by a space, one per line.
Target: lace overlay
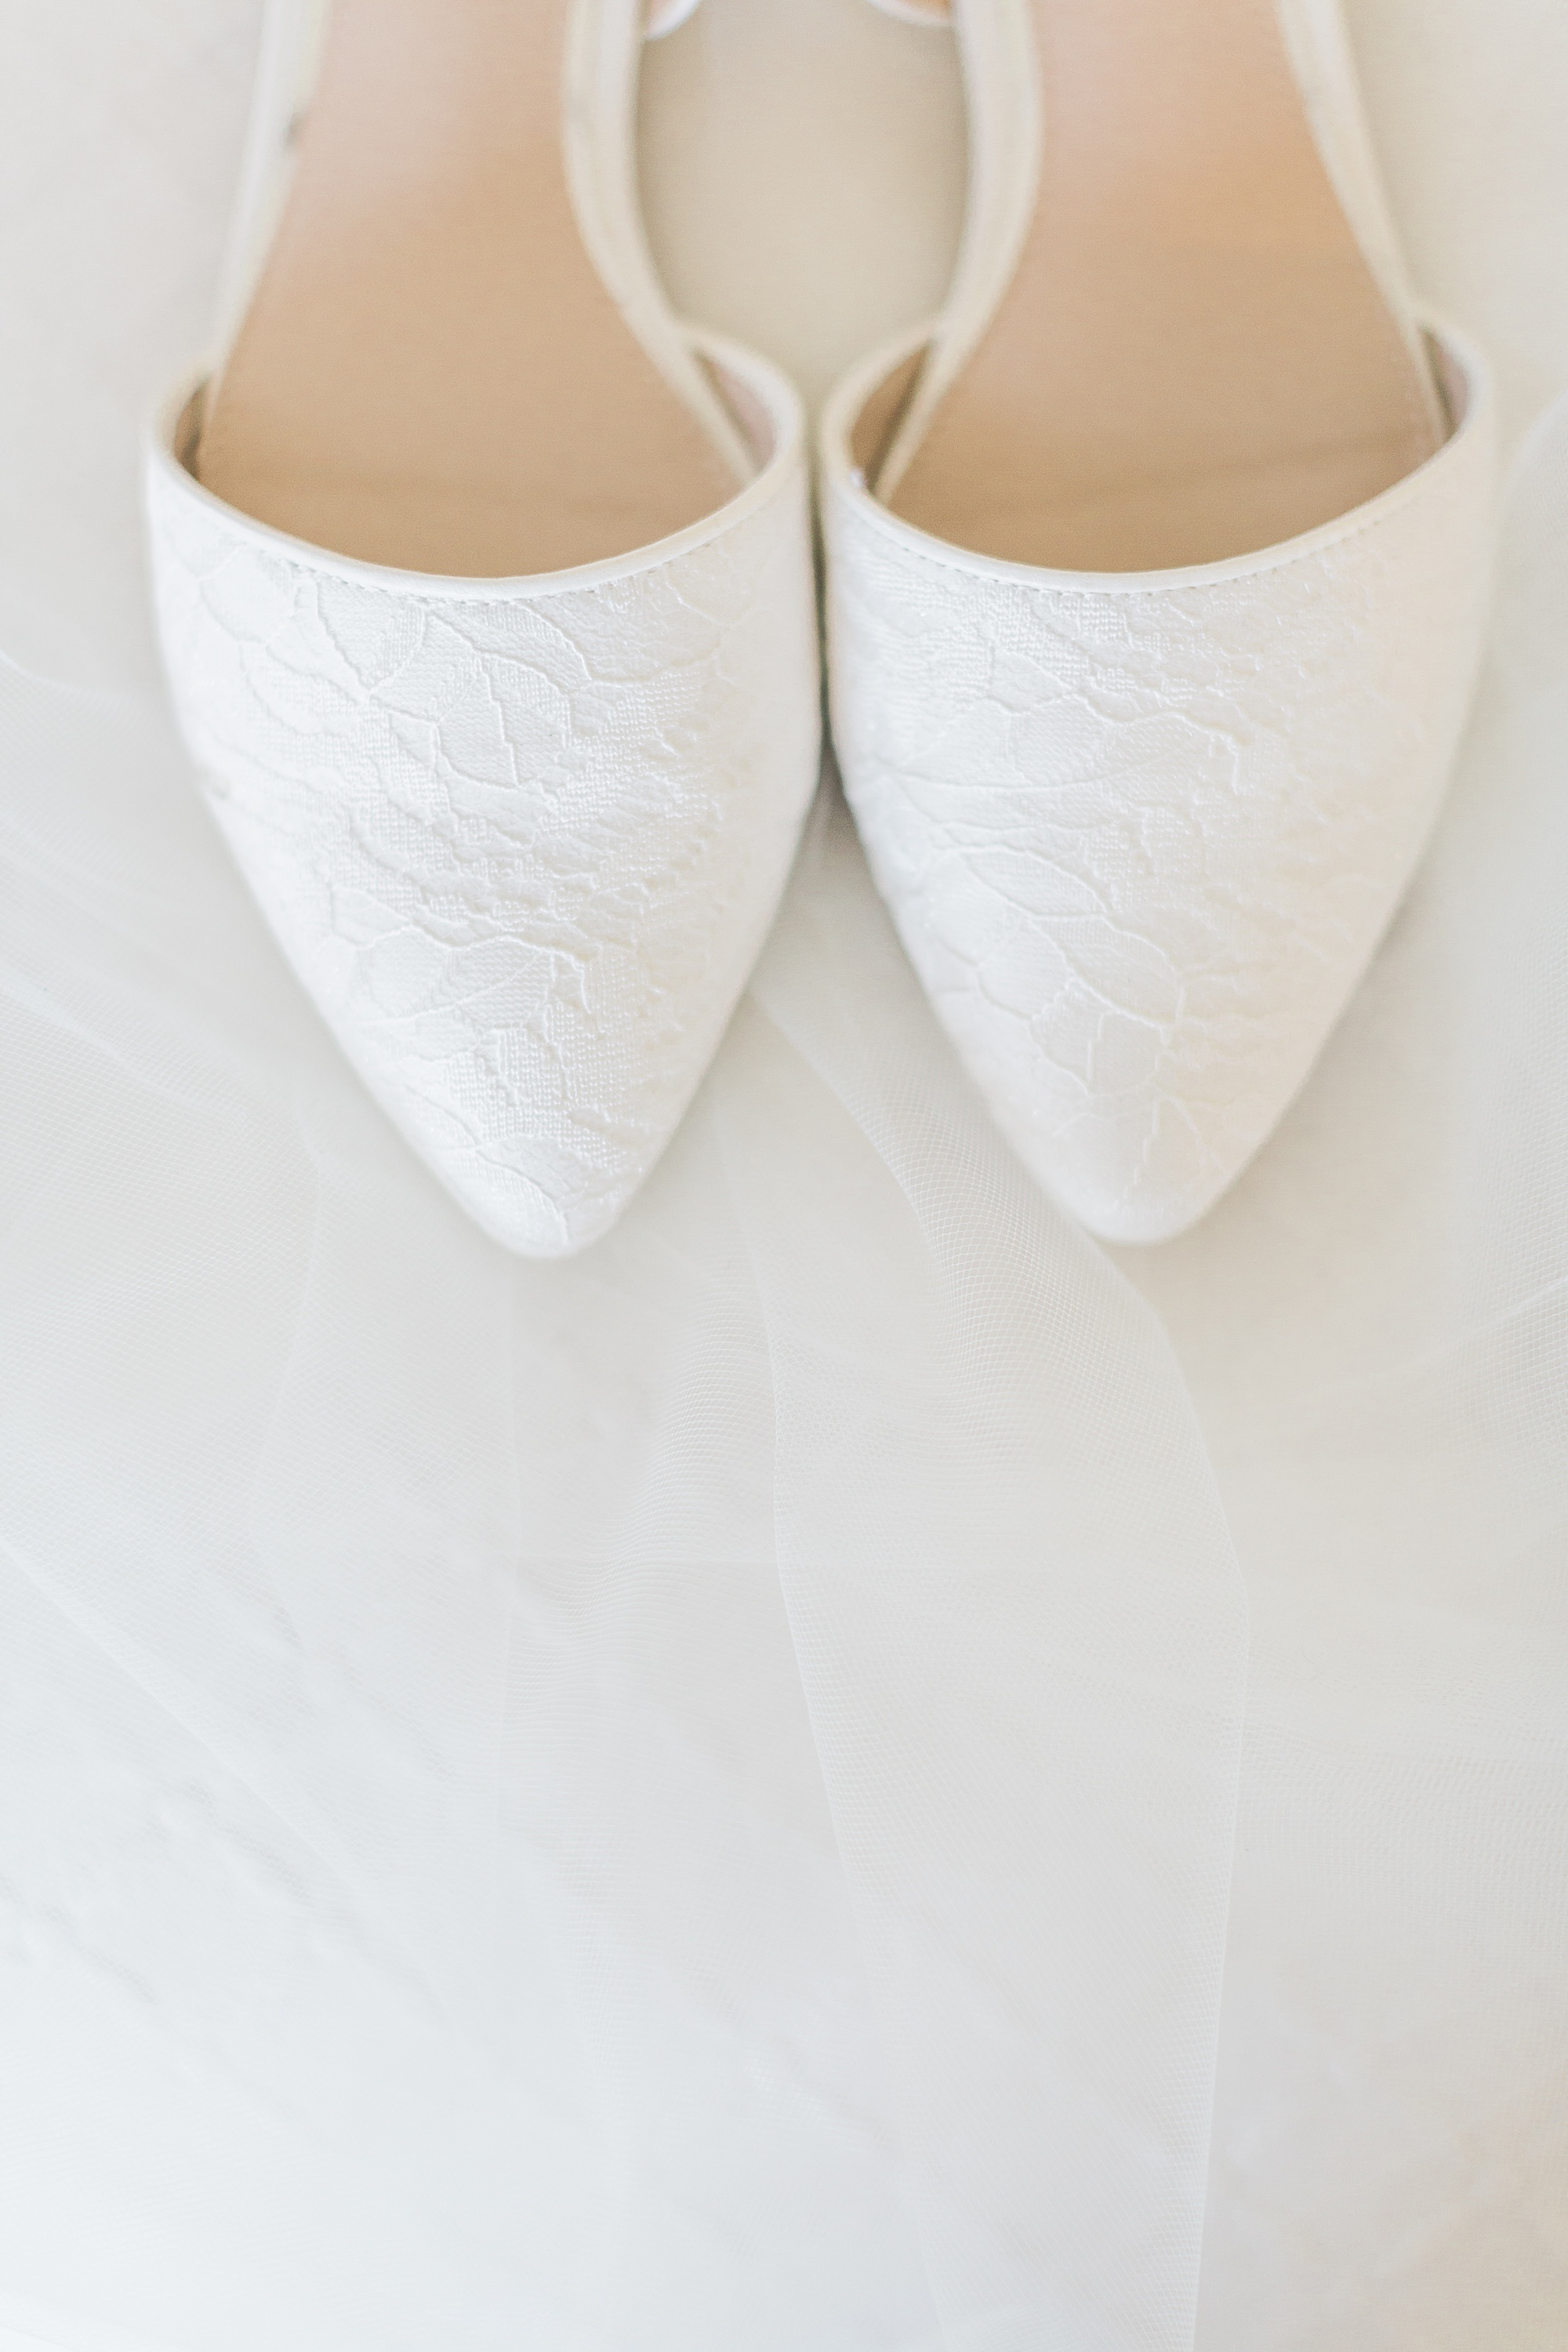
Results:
847 1769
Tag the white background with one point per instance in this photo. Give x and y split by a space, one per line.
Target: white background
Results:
757 1789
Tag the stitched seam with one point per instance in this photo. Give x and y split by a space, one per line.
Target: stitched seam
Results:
302 567
887 526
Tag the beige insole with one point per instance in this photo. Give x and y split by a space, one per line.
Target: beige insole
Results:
1193 359
431 373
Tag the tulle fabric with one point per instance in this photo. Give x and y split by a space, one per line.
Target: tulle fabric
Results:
848 1770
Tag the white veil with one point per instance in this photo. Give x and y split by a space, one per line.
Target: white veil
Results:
848 1770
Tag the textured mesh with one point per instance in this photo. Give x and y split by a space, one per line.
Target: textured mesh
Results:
762 1787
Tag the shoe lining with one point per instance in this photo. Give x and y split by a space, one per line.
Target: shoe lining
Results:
432 374
1194 359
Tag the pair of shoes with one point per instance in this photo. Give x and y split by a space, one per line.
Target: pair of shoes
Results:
1156 572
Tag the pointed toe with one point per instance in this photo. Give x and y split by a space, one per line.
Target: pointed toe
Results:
520 840
1140 834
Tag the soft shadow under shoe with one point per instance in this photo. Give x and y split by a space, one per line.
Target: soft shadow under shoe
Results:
1157 577
485 591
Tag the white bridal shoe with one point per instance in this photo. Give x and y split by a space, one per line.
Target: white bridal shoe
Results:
485 593
1156 586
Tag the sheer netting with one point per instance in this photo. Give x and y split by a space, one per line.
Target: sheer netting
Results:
848 1772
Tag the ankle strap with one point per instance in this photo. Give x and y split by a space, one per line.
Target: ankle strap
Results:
938 12
661 16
